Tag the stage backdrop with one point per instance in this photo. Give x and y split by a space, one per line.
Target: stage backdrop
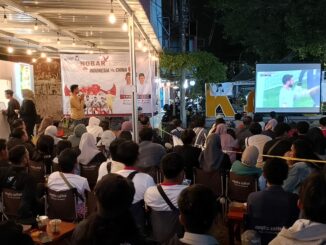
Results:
104 81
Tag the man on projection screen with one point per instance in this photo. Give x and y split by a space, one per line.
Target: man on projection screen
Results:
289 93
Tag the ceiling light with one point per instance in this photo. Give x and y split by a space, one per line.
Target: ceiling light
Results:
43 55
112 18
185 85
192 83
28 51
48 59
33 60
35 25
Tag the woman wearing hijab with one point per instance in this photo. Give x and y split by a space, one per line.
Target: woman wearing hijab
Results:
52 131
89 152
46 122
107 137
79 130
28 111
94 127
228 143
247 165
212 157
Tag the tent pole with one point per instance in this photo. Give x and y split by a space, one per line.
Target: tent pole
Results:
133 77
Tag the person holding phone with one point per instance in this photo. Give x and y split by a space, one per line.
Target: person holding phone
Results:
77 104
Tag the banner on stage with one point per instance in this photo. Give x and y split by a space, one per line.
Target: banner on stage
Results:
105 81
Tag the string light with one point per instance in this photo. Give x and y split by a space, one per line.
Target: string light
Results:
48 59
35 25
112 18
73 42
124 26
10 49
33 60
43 55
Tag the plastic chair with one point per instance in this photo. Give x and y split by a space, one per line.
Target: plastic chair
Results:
90 172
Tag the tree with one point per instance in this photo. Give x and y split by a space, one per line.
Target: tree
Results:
273 29
202 66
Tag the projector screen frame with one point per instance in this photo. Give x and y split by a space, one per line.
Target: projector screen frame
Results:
288 67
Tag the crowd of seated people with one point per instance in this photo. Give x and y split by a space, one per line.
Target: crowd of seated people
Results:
136 183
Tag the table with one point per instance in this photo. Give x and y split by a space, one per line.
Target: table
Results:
66 230
235 217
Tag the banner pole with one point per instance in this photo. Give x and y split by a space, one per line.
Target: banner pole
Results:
133 77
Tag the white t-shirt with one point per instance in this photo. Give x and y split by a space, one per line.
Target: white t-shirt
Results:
103 170
154 199
143 89
259 141
141 182
56 183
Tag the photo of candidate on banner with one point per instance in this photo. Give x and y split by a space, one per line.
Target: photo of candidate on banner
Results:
105 81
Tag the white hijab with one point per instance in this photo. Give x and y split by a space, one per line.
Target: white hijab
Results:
107 137
52 131
88 149
94 128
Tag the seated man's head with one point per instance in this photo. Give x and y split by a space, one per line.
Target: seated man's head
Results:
127 153
126 135
146 134
172 166
255 128
281 130
3 150
303 127
67 160
322 122
114 195
45 144
20 133
18 155
198 209
62 145
114 147
312 198
188 137
275 171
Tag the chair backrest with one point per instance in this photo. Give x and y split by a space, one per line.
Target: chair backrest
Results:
165 224
62 204
154 172
212 179
240 186
90 172
11 201
37 171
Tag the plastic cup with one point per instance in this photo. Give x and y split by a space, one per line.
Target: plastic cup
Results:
55 225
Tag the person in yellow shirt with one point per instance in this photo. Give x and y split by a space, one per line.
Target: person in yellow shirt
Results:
77 104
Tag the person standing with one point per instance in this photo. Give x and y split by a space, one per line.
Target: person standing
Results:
76 105
28 111
13 107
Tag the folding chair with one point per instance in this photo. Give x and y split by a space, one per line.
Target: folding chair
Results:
239 187
215 181
37 171
90 172
62 204
165 224
154 172
11 201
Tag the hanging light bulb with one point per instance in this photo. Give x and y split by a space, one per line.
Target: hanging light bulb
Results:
48 59
112 18
73 42
5 20
33 60
10 49
43 55
124 26
58 39
35 25
29 52
144 49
